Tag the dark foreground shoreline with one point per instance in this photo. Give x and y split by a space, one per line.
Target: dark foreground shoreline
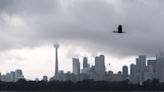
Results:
89 85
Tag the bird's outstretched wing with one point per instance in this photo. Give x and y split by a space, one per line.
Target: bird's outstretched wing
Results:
114 31
117 32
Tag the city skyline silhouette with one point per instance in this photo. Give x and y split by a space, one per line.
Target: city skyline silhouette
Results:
83 28
81 70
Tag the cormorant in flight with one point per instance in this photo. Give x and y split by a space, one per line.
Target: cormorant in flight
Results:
119 30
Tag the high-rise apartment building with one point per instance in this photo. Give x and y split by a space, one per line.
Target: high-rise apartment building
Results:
160 66
100 67
85 62
153 65
125 72
19 74
76 68
140 65
133 73
13 76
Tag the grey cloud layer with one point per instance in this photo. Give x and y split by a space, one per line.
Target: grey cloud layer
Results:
87 23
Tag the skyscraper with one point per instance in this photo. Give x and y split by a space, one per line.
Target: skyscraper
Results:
85 62
56 46
125 72
133 73
140 65
153 64
76 68
19 74
148 73
61 75
160 66
0 77
100 67
12 74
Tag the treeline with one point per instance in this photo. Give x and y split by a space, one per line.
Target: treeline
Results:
149 85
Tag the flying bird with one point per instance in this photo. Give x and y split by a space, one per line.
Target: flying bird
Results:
119 30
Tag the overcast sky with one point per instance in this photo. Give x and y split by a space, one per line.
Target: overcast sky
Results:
29 28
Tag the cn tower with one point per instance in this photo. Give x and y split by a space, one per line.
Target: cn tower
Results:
56 46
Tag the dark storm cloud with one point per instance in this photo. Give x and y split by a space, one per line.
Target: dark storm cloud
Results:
86 23
29 6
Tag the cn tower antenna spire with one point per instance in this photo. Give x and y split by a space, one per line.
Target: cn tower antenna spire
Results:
56 46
